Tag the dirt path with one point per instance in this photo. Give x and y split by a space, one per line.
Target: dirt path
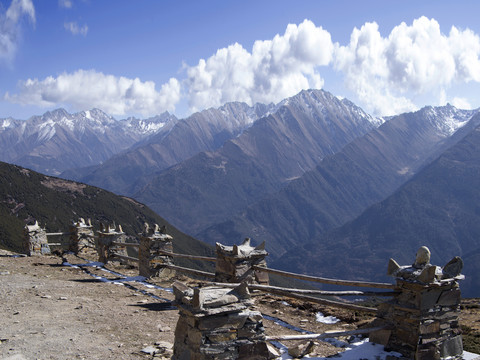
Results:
53 312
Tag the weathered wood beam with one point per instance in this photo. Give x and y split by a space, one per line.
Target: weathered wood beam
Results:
187 256
125 244
325 301
326 280
267 288
188 271
325 335
123 257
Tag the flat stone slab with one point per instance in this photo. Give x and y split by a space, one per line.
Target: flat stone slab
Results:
470 356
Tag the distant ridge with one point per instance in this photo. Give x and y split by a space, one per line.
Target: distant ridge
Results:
202 131
212 186
344 184
58 140
26 196
438 207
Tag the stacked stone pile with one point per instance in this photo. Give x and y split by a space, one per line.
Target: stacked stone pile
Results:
106 237
82 238
218 323
36 242
423 318
152 259
234 263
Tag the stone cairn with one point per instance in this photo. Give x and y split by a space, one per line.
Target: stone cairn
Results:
106 248
36 242
217 323
82 238
235 263
422 319
152 259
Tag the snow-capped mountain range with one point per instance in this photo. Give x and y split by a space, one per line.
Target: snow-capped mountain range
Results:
58 140
283 172
94 119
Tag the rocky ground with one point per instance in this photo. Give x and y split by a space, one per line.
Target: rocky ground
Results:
53 311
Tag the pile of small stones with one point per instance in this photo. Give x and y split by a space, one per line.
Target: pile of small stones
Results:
218 323
423 318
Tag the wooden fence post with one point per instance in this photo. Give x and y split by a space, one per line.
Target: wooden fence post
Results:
422 319
235 263
154 242
36 242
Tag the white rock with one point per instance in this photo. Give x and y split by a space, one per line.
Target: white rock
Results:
151 350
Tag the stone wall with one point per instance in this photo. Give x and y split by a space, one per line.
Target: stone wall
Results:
35 242
218 323
105 247
423 318
82 239
234 263
153 242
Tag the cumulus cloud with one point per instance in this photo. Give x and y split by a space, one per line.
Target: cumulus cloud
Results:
10 27
386 72
273 70
75 29
85 89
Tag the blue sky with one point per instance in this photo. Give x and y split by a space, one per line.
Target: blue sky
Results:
145 57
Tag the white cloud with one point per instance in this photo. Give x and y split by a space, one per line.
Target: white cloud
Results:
275 69
10 28
85 89
75 29
387 74
67 4
384 72
461 103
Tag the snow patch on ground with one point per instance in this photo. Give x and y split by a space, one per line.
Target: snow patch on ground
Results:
361 349
326 319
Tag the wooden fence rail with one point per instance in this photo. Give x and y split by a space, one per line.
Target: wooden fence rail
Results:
125 244
188 270
311 292
300 294
326 280
123 257
187 256
333 303
330 334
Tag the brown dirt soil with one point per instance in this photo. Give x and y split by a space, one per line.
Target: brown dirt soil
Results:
63 185
51 311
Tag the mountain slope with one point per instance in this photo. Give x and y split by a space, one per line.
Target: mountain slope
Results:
439 208
203 131
26 196
57 140
343 185
213 186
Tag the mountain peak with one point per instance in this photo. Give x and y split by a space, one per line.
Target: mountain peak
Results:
56 114
448 119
